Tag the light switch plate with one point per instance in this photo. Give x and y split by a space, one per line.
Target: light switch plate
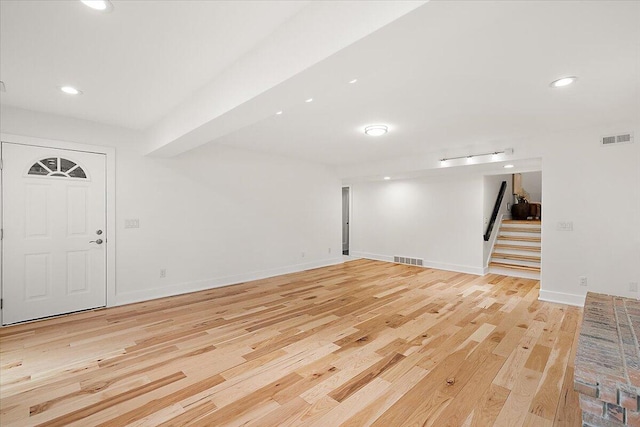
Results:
132 223
565 226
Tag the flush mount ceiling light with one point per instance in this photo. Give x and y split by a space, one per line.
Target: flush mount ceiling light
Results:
101 5
565 81
387 178
70 90
278 112
376 130
309 100
508 166
353 81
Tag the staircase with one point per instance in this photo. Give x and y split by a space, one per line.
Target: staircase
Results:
517 249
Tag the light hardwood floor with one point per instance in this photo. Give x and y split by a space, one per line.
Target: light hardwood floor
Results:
363 343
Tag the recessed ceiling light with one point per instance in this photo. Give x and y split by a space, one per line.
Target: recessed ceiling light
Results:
101 5
508 166
387 178
70 90
278 112
376 130
353 81
309 100
565 81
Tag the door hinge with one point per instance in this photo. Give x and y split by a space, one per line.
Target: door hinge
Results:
1 164
1 303
1 233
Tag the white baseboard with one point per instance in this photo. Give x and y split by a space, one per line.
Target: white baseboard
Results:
202 285
368 255
562 298
479 271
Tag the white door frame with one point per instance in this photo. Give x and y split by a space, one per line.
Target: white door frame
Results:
349 202
110 235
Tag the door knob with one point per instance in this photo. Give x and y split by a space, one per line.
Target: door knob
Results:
99 241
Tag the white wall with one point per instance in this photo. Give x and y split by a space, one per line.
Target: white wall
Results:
532 183
213 216
436 219
598 189
491 189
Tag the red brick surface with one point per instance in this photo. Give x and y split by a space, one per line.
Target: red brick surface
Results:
607 365
592 405
633 418
614 412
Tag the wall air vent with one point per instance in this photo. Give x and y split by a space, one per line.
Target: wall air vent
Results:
623 138
407 260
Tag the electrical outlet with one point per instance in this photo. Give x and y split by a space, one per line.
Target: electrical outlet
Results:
633 286
163 273
582 280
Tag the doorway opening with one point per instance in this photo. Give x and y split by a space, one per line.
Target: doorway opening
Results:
346 194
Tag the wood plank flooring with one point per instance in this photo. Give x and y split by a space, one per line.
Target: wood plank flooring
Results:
359 344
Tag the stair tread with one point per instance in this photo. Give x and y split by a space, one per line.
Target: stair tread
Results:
521 229
520 238
522 221
517 247
519 257
514 267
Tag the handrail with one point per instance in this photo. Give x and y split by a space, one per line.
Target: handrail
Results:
496 209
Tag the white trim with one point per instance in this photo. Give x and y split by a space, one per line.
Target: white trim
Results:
478 271
201 285
562 298
110 232
523 274
368 255
350 202
492 240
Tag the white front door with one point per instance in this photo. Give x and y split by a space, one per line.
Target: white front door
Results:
54 244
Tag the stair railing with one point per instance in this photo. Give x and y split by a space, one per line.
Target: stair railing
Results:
496 209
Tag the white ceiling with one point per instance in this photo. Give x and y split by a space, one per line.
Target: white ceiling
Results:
464 74
135 63
443 75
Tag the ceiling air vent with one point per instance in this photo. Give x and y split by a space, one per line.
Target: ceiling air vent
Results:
623 138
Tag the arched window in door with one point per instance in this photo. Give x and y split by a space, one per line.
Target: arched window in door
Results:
57 166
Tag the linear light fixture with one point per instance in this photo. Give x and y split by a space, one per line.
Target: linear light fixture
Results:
471 156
